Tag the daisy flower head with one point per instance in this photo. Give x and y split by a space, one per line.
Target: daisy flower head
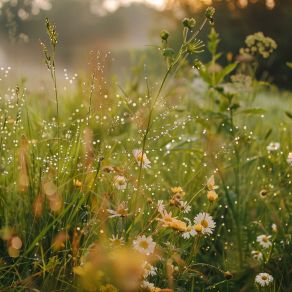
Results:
149 270
264 240
273 146
144 244
185 207
141 158
264 279
204 223
211 183
289 158
257 255
120 182
189 233
120 211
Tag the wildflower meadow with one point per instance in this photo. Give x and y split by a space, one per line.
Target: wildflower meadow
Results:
177 179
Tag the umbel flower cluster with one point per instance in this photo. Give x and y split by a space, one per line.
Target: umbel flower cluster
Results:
259 44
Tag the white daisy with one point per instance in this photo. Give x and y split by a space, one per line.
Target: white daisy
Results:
189 233
257 255
264 279
289 158
149 270
120 182
273 146
185 207
141 158
206 222
264 240
121 211
144 244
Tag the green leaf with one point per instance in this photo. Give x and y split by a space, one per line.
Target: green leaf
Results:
206 76
224 72
268 134
253 111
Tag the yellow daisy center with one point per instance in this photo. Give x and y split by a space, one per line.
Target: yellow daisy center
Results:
140 157
143 244
204 223
120 182
265 239
198 228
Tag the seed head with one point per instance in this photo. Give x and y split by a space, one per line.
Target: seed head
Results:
189 23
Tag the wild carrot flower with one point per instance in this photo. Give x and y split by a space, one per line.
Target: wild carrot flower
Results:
204 223
259 44
264 279
141 158
264 240
144 244
120 182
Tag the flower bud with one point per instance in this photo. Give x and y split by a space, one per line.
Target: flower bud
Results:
189 23
209 13
164 34
212 196
198 64
228 275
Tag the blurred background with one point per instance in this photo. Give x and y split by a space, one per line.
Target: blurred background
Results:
124 27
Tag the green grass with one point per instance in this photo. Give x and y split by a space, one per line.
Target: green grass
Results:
189 132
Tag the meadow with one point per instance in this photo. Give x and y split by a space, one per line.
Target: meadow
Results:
178 181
